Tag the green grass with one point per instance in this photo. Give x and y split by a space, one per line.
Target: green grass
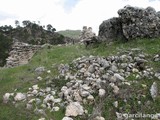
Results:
22 77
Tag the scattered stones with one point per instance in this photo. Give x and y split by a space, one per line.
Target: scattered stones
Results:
35 87
157 75
115 104
102 92
156 58
20 97
87 77
6 97
74 109
41 119
119 77
99 118
39 78
39 70
67 118
154 90
29 106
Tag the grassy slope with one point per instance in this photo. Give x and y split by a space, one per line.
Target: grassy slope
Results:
22 77
71 33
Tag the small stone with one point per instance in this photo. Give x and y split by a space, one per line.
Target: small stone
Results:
74 109
6 97
39 111
40 70
39 78
77 97
139 102
35 87
34 92
99 118
67 118
86 87
135 70
53 92
90 98
91 69
84 93
101 93
29 106
115 89
31 101
83 70
118 76
48 89
48 71
115 104
157 75
58 100
41 119
56 109
114 68
144 86
154 90
19 97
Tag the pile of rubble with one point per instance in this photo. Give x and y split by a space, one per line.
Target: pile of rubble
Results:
20 54
89 79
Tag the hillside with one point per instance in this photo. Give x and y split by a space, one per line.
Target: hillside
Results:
134 93
71 33
112 76
30 33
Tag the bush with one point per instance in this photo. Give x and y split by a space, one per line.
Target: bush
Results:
5 46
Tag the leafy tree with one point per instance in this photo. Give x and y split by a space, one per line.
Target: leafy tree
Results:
49 27
26 23
5 45
17 23
53 29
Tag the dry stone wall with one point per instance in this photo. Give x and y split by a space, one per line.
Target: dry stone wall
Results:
133 22
20 54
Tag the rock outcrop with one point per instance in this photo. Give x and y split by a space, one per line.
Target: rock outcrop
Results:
133 22
86 33
20 54
111 29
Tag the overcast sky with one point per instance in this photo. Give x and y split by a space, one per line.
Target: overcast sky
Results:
66 14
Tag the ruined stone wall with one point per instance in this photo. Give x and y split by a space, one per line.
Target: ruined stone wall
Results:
20 54
133 22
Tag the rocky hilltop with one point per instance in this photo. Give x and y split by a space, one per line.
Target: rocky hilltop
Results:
133 22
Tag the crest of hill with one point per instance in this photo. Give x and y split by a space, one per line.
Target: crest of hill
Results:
71 33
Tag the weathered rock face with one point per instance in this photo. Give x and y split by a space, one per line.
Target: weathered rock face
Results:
110 29
138 22
133 22
20 54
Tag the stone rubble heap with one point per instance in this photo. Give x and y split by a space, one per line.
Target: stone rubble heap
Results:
20 54
133 22
88 78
